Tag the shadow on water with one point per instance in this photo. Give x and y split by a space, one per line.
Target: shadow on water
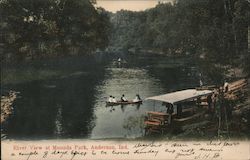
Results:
70 103
59 106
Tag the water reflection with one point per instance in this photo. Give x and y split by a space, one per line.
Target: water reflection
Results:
60 107
123 108
73 104
129 81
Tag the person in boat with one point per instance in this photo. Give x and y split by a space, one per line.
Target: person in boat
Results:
137 98
110 99
201 83
114 99
123 99
119 59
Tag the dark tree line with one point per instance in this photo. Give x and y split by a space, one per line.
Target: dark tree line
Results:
214 29
42 28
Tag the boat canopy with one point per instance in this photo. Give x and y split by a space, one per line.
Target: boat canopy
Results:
180 96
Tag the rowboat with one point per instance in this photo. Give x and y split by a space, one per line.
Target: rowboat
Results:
123 103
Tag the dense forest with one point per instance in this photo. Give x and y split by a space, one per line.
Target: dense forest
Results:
215 30
44 28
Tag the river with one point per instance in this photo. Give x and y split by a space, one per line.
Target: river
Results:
65 98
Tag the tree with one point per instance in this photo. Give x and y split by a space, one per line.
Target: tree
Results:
39 28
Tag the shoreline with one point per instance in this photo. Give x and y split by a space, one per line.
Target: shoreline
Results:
7 105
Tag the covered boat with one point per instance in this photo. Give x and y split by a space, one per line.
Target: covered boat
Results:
182 107
181 96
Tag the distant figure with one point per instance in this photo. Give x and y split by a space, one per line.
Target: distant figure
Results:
225 87
123 99
119 59
201 83
110 99
114 100
215 99
137 98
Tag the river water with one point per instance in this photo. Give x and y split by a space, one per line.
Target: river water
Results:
65 98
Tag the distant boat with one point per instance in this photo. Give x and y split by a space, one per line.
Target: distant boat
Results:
120 61
123 103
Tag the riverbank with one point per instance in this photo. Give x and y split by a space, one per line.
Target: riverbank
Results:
71 93
49 68
237 124
7 105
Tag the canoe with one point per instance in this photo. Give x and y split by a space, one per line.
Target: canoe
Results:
122 103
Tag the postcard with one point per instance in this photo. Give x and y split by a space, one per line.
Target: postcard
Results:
125 79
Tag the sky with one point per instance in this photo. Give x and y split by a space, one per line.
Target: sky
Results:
133 5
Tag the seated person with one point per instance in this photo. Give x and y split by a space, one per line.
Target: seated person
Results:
110 99
137 98
123 99
114 100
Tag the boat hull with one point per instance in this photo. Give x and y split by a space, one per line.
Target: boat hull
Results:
122 103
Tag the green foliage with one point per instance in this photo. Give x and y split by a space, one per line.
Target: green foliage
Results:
42 27
214 28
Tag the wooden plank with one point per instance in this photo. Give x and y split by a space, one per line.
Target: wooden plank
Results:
238 82
157 113
237 87
211 87
161 119
156 120
152 123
